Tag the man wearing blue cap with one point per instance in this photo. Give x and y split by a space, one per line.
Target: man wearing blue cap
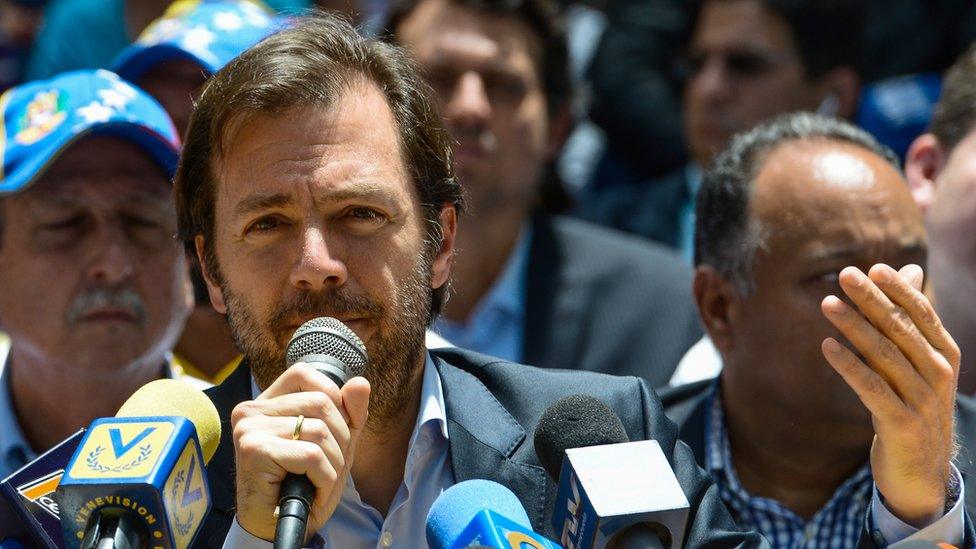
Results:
175 55
94 287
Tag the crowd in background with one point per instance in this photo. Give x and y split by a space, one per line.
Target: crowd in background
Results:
632 207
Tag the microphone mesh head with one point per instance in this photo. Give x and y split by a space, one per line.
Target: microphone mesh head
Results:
575 421
327 336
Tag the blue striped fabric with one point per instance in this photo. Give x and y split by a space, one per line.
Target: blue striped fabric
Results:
837 525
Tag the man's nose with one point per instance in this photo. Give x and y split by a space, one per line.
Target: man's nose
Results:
317 265
713 80
112 260
469 102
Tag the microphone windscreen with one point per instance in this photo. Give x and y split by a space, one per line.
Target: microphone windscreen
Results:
575 421
169 397
327 336
457 506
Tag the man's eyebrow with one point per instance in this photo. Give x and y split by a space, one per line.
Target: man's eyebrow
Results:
835 252
265 201
74 199
261 201
359 190
911 247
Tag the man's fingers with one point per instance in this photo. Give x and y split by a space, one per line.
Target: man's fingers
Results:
891 319
873 391
291 456
355 399
883 356
308 404
312 430
914 275
910 298
300 378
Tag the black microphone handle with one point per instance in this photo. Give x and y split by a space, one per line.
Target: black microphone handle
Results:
297 491
638 536
115 528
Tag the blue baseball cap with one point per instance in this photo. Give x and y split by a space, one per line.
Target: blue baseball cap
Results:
209 33
898 109
43 118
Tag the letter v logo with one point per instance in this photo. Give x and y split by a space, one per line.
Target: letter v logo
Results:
188 496
115 435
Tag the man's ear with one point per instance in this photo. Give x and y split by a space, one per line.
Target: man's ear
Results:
213 289
715 297
561 125
444 258
923 164
841 88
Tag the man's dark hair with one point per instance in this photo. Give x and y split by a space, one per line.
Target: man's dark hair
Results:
312 64
955 113
542 16
726 237
828 33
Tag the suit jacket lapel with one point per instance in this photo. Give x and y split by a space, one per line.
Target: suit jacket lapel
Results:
555 302
484 437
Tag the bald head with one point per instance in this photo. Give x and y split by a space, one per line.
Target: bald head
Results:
828 197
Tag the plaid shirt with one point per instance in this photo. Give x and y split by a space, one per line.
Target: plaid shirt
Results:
837 525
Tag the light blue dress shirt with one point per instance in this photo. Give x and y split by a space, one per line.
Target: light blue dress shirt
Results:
496 327
686 217
427 473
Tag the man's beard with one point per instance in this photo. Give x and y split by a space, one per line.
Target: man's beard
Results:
394 350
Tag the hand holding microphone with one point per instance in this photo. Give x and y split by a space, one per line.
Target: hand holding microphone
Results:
299 437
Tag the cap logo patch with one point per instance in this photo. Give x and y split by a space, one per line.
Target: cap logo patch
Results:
43 115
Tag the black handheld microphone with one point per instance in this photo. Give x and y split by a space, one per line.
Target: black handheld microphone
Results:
333 349
612 494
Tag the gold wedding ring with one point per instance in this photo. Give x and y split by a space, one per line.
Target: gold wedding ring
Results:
298 428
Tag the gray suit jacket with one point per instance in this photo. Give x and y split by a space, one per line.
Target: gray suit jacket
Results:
602 301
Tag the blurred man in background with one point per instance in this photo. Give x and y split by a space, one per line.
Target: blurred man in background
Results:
941 169
748 60
95 290
798 452
530 286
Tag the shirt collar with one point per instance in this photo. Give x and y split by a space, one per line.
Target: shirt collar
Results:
432 408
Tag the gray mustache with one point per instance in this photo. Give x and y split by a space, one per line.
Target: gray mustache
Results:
106 298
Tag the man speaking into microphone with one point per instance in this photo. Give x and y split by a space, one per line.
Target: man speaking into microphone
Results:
316 180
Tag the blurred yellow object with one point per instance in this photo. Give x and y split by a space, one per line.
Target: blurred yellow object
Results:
187 368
